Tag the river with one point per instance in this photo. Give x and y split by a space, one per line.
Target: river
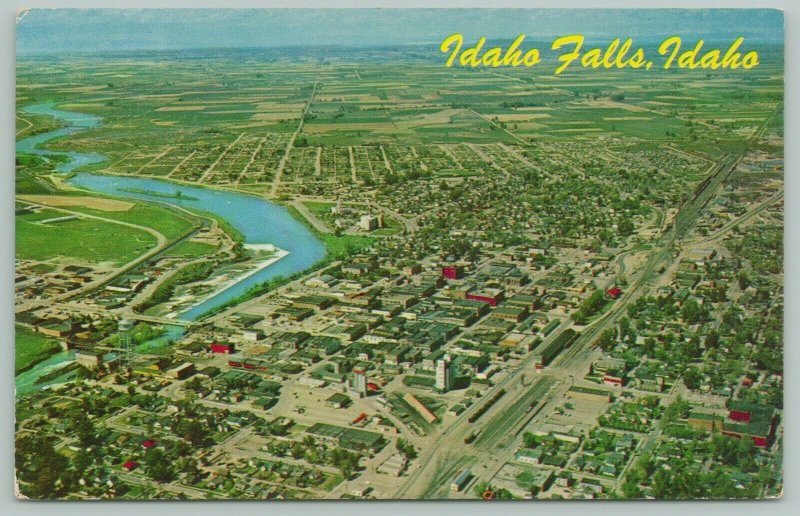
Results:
260 221
77 122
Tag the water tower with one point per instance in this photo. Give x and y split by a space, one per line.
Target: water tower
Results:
125 341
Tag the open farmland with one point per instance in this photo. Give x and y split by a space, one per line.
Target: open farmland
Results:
324 128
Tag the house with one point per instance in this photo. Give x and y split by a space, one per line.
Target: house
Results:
183 371
411 270
252 335
394 465
314 302
421 409
370 222
356 269
322 281
338 400
528 456
512 313
57 328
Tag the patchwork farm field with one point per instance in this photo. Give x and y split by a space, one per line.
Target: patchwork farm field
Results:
270 127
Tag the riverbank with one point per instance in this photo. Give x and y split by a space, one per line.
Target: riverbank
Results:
31 348
277 255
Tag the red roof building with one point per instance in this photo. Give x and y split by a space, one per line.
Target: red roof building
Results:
739 415
130 465
148 443
451 272
491 296
756 420
218 347
614 292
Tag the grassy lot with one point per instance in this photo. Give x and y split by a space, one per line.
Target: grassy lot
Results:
31 347
191 249
320 209
164 220
392 226
85 239
339 246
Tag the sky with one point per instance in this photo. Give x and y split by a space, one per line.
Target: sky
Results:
83 30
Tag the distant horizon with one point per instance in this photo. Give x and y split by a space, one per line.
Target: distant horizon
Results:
64 31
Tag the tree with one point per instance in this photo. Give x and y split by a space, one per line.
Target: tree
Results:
480 488
606 340
692 378
692 312
746 452
346 461
41 466
624 327
406 448
84 429
724 448
677 409
743 280
158 466
712 339
82 460
188 466
630 489
192 430
503 494
297 450
626 227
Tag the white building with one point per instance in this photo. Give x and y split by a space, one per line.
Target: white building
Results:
443 375
369 222
359 382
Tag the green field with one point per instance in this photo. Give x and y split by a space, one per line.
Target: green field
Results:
31 347
339 246
168 222
89 240
191 249
320 209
